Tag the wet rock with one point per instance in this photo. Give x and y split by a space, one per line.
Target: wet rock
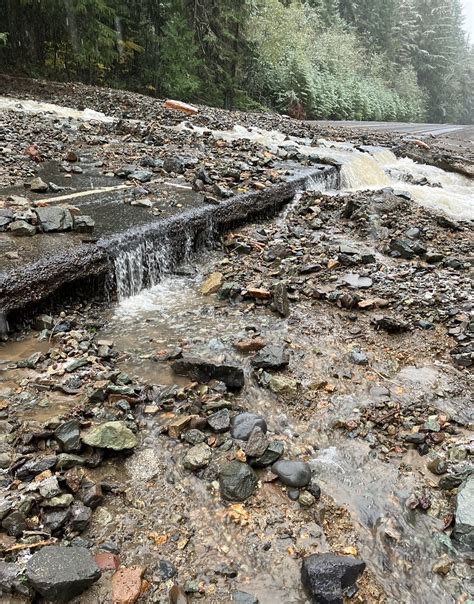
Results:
64 461
292 473
447 483
220 421
14 524
280 300
257 443
54 218
54 520
68 436
242 425
402 248
204 371
49 487
36 466
390 325
242 597
314 489
464 528
273 356
127 585
61 573
237 481
43 322
177 595
11 579
212 284
356 281
141 175
83 224
272 454
21 228
79 517
194 437
359 358
325 577
306 499
280 384
251 345
60 501
91 493
37 185
442 566
111 435
197 457
6 217
167 570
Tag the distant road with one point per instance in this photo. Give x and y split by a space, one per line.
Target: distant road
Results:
461 133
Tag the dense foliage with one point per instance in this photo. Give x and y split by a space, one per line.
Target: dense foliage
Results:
341 59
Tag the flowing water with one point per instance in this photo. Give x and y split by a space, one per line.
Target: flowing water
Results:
158 309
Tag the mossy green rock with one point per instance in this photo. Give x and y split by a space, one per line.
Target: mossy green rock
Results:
111 435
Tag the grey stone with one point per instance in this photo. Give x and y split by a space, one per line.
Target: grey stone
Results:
197 457
21 228
272 454
273 356
37 185
359 358
220 421
280 300
292 473
237 481
141 175
49 487
326 576
55 519
257 443
242 425
203 371
79 517
356 281
464 528
36 466
43 322
60 501
403 248
12 580
242 597
61 573
65 461
194 436
83 224
54 218
68 436
14 524
110 435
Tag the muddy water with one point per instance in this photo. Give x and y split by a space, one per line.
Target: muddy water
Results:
392 539
371 168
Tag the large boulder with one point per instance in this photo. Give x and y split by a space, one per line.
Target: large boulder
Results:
464 528
203 371
326 576
61 573
54 218
111 435
237 481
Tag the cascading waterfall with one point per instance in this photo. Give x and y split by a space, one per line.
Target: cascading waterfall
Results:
145 264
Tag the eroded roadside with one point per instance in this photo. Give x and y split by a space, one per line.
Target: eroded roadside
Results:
361 373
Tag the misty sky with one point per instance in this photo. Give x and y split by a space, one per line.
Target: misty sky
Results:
469 12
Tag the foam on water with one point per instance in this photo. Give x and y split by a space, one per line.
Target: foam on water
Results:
36 107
